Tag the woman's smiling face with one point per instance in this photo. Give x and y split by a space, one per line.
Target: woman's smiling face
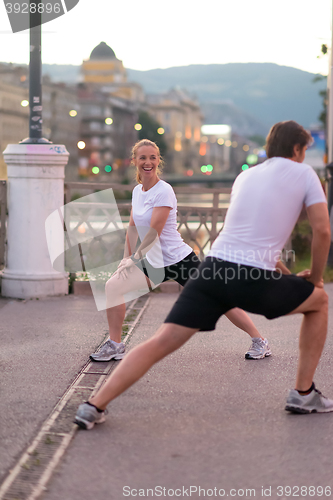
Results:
146 161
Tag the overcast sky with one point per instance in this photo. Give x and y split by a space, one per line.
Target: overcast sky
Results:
147 34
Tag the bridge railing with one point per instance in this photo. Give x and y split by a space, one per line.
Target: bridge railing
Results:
200 216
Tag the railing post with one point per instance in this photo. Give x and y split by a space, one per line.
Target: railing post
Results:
35 190
213 233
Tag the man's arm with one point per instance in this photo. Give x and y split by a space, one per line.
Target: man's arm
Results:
321 240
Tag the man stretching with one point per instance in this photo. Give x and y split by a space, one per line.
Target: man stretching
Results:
243 270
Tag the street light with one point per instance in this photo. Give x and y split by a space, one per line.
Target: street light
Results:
35 77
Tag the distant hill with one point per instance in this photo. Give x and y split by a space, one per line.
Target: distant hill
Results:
267 92
249 96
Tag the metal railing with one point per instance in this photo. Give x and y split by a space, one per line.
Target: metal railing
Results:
199 225
3 217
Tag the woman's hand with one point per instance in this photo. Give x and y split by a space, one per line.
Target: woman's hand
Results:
125 267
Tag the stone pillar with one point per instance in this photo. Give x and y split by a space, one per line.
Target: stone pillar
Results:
35 190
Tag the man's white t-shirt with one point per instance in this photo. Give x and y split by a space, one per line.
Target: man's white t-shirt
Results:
170 248
266 202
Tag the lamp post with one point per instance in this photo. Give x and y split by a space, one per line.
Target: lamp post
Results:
35 78
36 172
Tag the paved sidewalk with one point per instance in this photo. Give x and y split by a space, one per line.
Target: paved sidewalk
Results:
44 344
204 416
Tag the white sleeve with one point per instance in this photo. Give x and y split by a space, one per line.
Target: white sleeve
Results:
314 190
165 198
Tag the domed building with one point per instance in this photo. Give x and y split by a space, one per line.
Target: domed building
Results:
105 71
103 67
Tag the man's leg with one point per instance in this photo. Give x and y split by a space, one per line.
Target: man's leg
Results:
137 362
312 336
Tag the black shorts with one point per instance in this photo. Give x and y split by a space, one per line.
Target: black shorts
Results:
220 286
180 272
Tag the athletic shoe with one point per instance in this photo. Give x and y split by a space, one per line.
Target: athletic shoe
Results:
87 416
108 351
259 349
314 402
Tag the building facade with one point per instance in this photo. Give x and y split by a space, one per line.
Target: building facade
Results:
181 118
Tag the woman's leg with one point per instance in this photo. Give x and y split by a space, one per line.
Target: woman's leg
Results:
240 319
115 289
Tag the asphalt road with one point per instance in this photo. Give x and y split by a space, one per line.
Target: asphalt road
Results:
206 418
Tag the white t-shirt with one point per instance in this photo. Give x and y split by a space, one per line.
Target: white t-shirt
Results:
170 248
265 205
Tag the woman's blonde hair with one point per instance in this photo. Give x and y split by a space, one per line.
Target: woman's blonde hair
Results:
146 142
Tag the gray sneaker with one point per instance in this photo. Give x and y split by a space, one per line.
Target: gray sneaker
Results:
314 402
87 416
108 351
259 349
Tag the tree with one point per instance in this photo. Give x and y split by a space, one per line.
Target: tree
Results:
323 93
149 131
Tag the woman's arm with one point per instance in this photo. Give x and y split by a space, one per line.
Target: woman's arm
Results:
157 223
131 237
282 267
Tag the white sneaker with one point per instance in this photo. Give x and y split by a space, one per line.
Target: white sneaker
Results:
87 416
108 351
259 349
314 402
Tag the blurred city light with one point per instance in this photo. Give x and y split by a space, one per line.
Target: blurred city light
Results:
245 166
262 153
251 159
203 149
138 126
204 169
204 139
228 143
24 103
220 141
178 141
215 129
72 112
81 144
246 147
108 168
189 172
160 130
95 170
210 168
234 144
109 121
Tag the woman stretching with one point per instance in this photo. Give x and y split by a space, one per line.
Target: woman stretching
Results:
154 218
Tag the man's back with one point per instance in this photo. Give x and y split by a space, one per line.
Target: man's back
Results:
265 204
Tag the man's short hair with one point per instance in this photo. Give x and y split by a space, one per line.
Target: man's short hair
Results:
282 138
